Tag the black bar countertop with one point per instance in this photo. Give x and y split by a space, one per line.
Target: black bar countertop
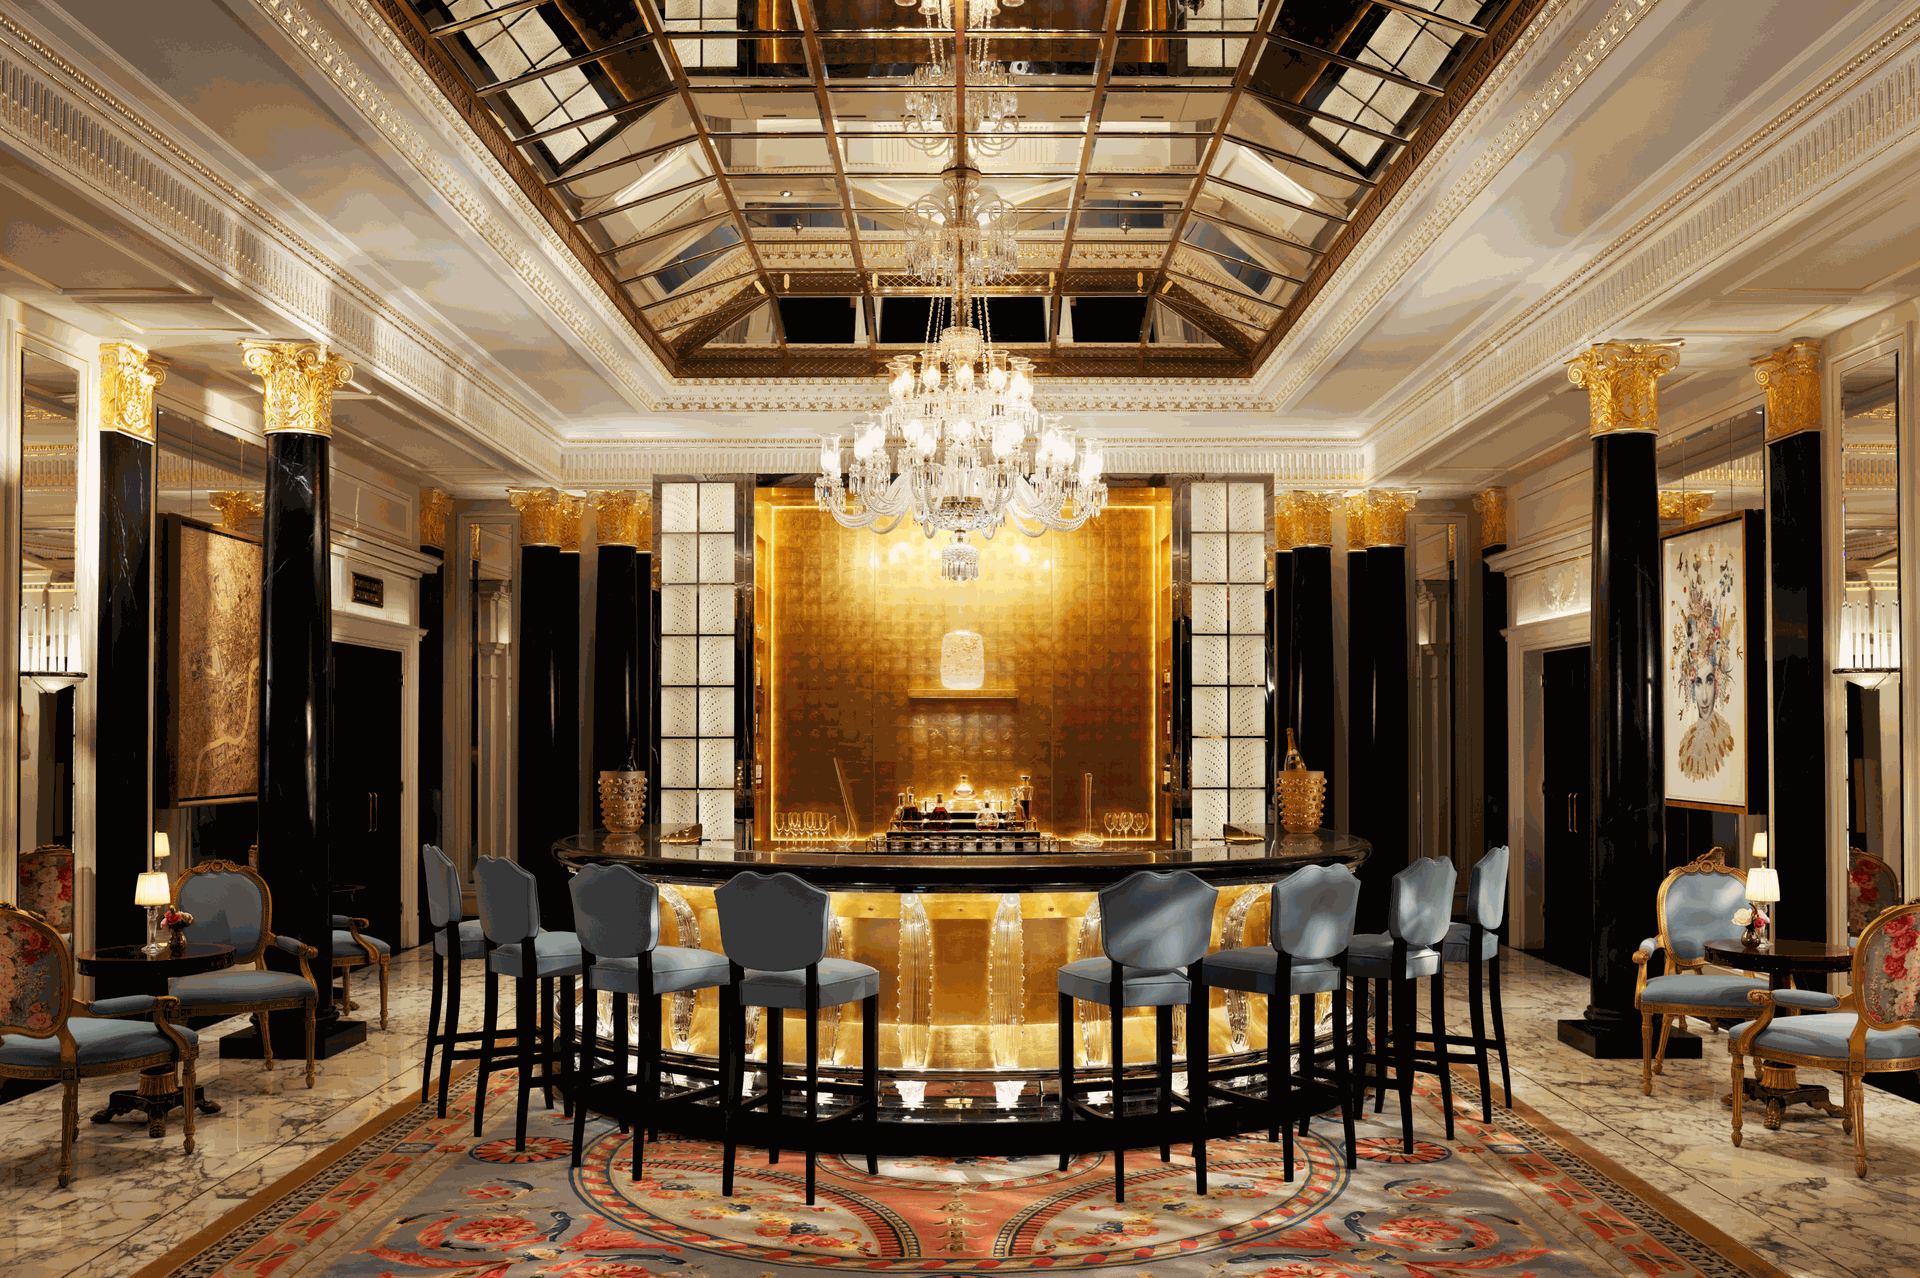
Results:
851 867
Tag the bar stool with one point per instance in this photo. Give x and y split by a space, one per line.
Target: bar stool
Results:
774 928
461 938
1475 941
1153 928
616 915
1418 906
516 947
1309 924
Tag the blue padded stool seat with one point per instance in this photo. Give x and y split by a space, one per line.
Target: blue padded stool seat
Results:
1454 948
1826 1034
554 954
1092 978
1252 970
344 946
1370 958
238 985
675 970
1703 989
98 1041
473 942
841 981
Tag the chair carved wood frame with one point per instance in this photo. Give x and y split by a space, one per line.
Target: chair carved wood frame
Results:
370 956
257 957
1885 996
1872 887
36 1002
1691 959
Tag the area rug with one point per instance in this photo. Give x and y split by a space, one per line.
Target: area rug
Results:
420 1197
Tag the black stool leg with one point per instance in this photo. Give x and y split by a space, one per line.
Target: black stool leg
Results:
543 1026
1403 1025
1362 1046
433 1023
775 1019
1380 1040
811 1109
1276 1116
1477 1016
870 1073
490 1010
569 1043
1281 1102
1499 1026
580 1111
1064 1025
1341 1046
621 1008
1198 1021
450 1036
1163 1067
1437 996
1306 1051
1116 1018
527 1034
733 1065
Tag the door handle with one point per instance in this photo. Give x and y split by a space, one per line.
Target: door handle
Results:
373 812
1573 812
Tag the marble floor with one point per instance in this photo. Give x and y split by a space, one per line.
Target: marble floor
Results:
1790 1194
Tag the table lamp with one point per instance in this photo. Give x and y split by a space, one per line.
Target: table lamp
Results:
162 847
1763 889
1760 846
151 890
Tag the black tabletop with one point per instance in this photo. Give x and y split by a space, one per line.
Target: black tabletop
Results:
854 867
128 969
1783 958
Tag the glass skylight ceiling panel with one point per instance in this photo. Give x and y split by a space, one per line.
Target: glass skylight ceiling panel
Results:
660 137
699 57
1221 55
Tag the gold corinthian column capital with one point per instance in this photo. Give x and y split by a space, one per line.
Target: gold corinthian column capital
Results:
540 510
572 508
1356 504
1791 376
299 380
1387 515
435 506
619 514
1492 505
127 378
236 507
1309 518
1621 380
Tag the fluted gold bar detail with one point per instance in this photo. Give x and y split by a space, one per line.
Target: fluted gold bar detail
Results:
1622 384
620 517
299 380
1492 505
236 507
1791 376
434 508
540 515
127 378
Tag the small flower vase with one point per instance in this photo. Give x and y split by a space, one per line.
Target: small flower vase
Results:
176 941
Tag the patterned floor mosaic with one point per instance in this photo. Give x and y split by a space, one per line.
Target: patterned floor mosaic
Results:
423 1197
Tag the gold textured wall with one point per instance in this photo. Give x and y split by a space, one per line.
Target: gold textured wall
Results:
1072 627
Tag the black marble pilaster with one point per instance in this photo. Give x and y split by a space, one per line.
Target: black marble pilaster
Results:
620 672
296 703
1797 820
1309 703
1627 829
548 721
1381 792
1359 761
123 688
1279 663
428 782
1493 700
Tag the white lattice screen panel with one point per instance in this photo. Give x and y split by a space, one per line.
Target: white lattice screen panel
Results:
697 650
1229 667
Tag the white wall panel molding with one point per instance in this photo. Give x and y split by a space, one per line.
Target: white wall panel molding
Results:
1841 131
72 126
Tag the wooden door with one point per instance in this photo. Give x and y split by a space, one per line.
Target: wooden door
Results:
1567 908
367 786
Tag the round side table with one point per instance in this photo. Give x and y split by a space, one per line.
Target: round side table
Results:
1779 1085
127 969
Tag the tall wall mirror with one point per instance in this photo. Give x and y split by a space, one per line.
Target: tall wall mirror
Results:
1441 822
489 571
1867 648
52 657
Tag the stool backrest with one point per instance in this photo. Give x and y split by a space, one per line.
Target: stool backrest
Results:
509 900
615 911
444 905
1487 889
1157 922
1421 902
1311 912
773 922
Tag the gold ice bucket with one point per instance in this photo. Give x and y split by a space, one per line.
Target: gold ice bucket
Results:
623 800
1303 795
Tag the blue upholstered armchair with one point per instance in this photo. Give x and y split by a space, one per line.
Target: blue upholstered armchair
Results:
47 1034
231 905
1695 904
1874 1029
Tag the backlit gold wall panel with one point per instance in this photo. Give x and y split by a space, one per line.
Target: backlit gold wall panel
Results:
1071 624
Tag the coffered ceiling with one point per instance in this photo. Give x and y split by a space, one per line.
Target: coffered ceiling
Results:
1184 176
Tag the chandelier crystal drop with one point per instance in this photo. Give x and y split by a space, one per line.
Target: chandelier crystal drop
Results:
973 453
992 105
962 236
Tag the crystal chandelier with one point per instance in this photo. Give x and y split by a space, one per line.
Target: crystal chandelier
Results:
930 118
974 454
963 236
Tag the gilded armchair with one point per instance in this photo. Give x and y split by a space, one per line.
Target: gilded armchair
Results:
1694 904
48 1035
1873 1029
231 905
353 948
46 885
1872 886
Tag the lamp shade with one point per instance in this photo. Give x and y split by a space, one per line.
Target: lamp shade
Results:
162 846
151 889
1760 846
1763 884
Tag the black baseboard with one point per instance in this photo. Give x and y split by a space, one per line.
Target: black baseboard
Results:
1622 1042
1904 1085
290 1039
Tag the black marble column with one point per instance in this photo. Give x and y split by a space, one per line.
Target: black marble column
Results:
620 670
548 721
1381 793
1797 825
1310 678
296 704
1493 694
1628 826
1359 761
122 678
1279 661
428 781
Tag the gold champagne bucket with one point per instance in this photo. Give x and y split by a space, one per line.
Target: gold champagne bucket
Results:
1303 794
623 800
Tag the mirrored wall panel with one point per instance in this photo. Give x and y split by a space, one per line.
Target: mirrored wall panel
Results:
52 655
1868 646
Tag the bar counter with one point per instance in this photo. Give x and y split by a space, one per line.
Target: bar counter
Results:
966 942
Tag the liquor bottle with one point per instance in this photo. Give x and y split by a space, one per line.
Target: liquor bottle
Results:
939 811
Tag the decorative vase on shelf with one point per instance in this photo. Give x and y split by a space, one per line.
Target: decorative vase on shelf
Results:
623 800
1303 794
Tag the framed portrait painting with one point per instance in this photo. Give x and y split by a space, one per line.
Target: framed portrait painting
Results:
1713 685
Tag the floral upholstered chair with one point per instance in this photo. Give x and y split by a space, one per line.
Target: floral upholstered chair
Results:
1872 886
231 905
1695 904
1873 1029
46 885
354 948
46 1034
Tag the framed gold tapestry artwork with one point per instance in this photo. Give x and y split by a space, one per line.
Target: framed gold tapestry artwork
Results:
1713 719
208 715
